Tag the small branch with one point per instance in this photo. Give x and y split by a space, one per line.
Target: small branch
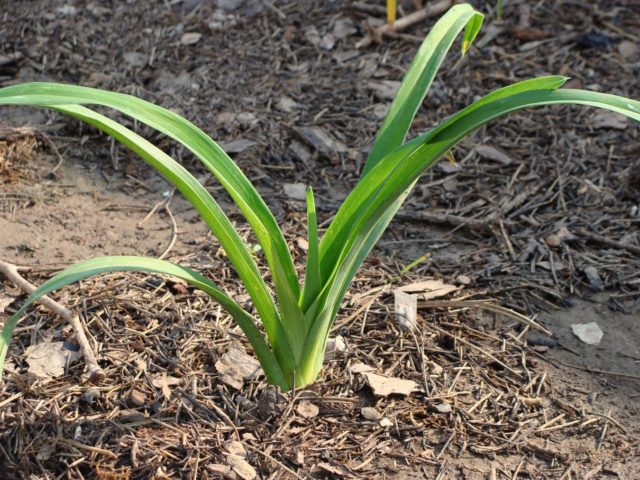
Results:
607 241
11 272
431 10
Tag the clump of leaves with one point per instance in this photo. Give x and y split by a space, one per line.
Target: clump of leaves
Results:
297 324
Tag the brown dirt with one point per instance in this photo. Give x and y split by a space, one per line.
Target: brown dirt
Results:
67 193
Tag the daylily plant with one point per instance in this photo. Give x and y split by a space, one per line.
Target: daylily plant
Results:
296 318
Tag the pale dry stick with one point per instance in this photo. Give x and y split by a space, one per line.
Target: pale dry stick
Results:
11 272
174 232
431 10
604 431
607 241
483 305
280 464
567 472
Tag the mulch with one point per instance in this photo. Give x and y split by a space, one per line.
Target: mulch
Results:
539 209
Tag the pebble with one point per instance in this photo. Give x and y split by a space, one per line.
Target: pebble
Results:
370 413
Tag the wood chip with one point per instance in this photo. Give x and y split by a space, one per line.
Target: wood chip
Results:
429 289
238 145
236 448
385 386
307 409
322 141
384 89
241 467
405 309
235 366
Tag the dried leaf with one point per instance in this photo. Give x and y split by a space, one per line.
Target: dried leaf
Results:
321 140
406 309
384 89
49 359
386 423
385 386
163 382
607 119
589 333
492 153
235 366
238 145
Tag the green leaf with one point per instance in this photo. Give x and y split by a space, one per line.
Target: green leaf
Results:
312 280
236 250
97 266
173 125
420 75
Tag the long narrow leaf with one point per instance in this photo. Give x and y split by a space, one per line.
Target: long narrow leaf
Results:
212 214
419 155
312 280
420 75
96 266
173 125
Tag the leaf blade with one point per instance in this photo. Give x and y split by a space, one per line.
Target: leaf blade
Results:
96 266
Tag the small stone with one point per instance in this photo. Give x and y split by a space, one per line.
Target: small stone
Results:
385 422
628 49
589 333
190 38
218 469
335 346
595 282
443 408
136 398
295 191
553 240
463 280
370 413
328 41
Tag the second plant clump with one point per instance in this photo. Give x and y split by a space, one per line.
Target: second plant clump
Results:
297 318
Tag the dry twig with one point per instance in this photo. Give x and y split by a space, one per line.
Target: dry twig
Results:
11 272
